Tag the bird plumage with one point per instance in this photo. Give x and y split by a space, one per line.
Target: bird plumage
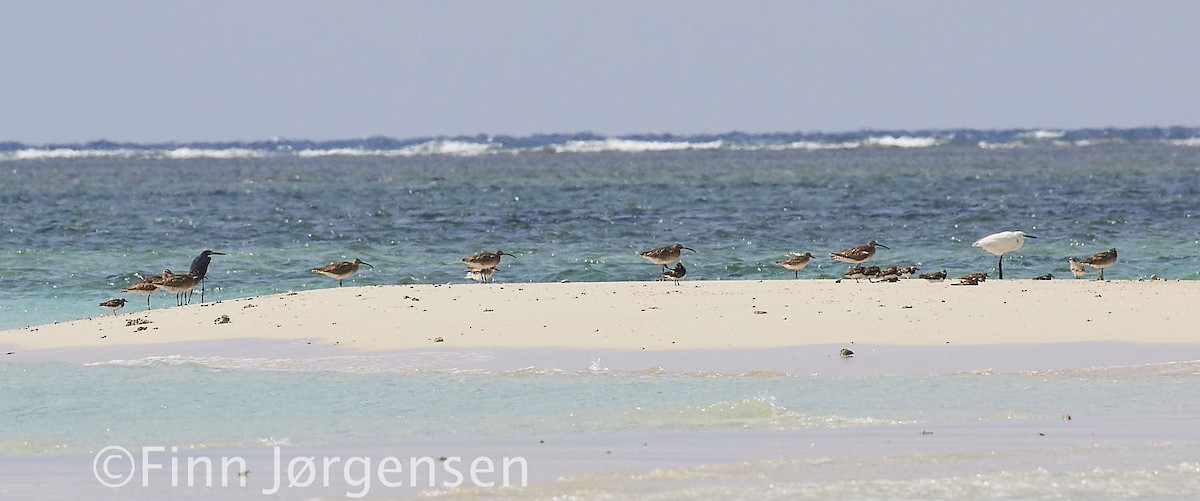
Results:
340 271
796 262
936 276
114 304
1101 260
857 255
1001 244
677 273
664 255
484 260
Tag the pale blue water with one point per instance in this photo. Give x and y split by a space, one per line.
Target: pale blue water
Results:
51 408
78 221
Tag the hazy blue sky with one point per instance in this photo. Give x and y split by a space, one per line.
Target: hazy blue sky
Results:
245 70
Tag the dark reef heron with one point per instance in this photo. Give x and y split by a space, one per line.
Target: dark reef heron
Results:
200 268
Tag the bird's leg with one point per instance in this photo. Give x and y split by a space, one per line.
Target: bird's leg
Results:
1001 266
202 290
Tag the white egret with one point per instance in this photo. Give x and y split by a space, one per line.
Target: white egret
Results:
1001 244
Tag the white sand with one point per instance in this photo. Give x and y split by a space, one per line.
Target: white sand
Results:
635 316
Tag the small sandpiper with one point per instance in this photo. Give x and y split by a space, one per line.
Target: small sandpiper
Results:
871 272
145 286
341 271
936 276
482 275
1101 260
178 284
796 262
889 274
855 272
908 271
114 304
677 273
857 255
664 255
1047 276
1076 265
977 277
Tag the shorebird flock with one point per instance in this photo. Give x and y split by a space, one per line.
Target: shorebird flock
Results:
482 267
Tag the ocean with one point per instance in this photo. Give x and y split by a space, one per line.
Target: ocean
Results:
80 221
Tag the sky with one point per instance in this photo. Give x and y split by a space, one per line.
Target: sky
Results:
236 70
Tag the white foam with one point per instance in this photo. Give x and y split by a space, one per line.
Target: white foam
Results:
632 146
222 153
903 141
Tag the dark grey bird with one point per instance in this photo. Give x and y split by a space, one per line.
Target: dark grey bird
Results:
200 268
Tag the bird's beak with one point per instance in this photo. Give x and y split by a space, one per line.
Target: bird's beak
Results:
368 265
507 254
691 249
884 246
218 253
1030 236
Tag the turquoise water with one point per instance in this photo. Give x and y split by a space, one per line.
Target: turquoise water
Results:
77 224
52 408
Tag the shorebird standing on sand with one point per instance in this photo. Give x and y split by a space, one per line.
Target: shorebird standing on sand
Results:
340 271
114 304
482 275
200 269
675 273
484 260
857 255
145 286
796 262
178 285
1101 260
664 255
1001 244
1076 266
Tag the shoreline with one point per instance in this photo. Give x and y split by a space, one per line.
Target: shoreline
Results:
712 325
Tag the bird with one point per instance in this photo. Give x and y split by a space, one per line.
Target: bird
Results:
1001 244
177 284
484 260
908 271
1101 260
340 271
1047 276
114 304
936 276
855 272
889 274
200 268
145 286
1076 266
978 277
796 262
871 272
664 255
482 275
675 273
857 255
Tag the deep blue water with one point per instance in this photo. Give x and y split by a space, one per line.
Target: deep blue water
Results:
77 221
